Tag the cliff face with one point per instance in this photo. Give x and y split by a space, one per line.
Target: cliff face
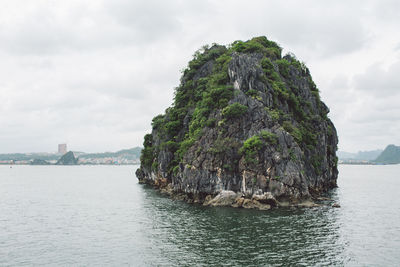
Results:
245 120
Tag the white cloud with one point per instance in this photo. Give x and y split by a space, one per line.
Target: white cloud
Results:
94 73
380 82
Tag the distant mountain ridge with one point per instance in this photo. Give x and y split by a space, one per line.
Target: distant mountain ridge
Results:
29 156
131 153
391 155
360 155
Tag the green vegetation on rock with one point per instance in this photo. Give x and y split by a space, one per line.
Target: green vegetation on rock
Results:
250 148
234 110
148 155
255 144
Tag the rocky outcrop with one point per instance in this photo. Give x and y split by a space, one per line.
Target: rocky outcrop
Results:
247 129
391 155
68 159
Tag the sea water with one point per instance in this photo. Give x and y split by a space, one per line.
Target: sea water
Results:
101 216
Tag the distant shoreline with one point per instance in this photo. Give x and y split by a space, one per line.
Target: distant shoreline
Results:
365 163
138 163
105 164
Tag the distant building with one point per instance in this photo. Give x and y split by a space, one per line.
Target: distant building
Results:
62 149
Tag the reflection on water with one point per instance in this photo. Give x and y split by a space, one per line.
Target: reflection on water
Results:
245 237
100 215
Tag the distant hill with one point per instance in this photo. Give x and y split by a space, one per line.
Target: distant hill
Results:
132 153
360 155
129 154
39 162
391 155
345 155
29 156
368 155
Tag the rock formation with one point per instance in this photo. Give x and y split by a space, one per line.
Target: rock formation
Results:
67 159
391 155
247 129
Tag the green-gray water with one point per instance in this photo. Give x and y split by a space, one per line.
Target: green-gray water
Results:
100 215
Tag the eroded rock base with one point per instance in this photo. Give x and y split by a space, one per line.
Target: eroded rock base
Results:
227 198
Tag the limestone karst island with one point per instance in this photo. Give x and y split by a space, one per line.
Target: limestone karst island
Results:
247 128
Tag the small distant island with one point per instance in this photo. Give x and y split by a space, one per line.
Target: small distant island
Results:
67 159
121 157
390 155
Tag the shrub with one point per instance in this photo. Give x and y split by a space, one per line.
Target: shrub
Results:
238 46
183 148
281 90
204 54
267 65
211 122
199 120
252 93
300 66
294 131
157 121
253 47
294 105
273 113
274 76
316 162
223 59
317 97
234 111
269 137
170 145
247 47
258 44
173 127
308 137
273 52
283 67
250 149
265 42
218 97
147 154
222 145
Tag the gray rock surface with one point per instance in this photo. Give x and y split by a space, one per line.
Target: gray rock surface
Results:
224 198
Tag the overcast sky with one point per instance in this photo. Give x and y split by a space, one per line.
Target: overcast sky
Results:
92 74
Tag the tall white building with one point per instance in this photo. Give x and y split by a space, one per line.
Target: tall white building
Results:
62 149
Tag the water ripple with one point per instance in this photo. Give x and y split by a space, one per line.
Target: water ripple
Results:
99 215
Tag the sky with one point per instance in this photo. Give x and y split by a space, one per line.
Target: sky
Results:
93 73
